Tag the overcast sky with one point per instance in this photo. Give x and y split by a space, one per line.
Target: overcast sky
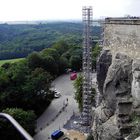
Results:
11 10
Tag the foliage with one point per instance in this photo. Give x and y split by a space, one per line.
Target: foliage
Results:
61 47
34 60
75 62
25 84
25 118
95 53
136 129
17 41
23 87
10 61
78 92
63 64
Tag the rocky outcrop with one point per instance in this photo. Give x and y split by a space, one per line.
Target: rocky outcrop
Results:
118 77
118 81
112 119
103 64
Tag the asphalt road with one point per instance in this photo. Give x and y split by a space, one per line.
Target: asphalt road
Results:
59 111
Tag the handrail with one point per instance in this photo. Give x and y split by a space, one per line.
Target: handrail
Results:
23 132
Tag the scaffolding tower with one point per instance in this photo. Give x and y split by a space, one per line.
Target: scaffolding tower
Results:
87 69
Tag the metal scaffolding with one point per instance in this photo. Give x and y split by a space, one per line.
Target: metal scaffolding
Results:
87 69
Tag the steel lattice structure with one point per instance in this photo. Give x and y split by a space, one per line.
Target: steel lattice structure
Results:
87 69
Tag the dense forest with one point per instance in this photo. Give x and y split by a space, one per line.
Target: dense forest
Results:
17 41
25 85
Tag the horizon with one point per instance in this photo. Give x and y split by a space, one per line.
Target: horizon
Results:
95 21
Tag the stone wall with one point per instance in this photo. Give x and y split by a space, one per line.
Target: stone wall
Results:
122 35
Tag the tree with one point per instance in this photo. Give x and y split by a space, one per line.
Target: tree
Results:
51 52
34 60
63 64
36 94
4 79
51 65
61 46
17 72
78 93
75 62
78 85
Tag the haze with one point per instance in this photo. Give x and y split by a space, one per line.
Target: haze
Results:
19 10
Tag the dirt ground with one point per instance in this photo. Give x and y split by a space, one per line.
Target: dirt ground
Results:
74 135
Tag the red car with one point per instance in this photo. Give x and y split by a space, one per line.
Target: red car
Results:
73 76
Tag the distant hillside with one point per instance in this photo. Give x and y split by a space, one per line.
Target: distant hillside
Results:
17 41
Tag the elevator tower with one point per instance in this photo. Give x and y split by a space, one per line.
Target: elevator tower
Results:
87 69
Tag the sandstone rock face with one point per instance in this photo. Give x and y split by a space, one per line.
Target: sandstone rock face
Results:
118 81
109 130
115 94
103 64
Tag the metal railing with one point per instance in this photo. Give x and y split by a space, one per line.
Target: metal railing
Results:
20 129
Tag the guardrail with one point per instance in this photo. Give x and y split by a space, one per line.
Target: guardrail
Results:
20 129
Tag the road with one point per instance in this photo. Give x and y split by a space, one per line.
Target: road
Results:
57 114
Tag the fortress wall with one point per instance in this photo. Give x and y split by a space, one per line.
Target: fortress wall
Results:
122 35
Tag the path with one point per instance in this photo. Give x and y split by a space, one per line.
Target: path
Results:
48 122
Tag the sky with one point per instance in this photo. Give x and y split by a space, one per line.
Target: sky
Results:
21 10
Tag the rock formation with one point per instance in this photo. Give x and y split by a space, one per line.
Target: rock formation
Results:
120 90
117 116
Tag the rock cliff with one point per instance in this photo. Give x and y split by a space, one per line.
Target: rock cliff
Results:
118 81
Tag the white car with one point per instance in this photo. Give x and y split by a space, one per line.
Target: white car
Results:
57 94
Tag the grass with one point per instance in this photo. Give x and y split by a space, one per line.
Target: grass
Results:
10 61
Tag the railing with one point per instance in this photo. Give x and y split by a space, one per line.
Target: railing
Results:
20 129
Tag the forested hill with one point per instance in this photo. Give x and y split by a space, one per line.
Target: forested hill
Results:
18 41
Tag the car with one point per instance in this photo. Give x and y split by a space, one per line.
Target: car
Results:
73 76
57 94
57 134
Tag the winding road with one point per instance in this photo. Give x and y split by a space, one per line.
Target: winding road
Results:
59 111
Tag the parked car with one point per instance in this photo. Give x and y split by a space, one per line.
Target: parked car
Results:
57 94
57 134
73 76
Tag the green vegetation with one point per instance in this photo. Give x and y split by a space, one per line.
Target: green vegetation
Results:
78 93
136 129
77 63
95 53
25 83
10 61
17 41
